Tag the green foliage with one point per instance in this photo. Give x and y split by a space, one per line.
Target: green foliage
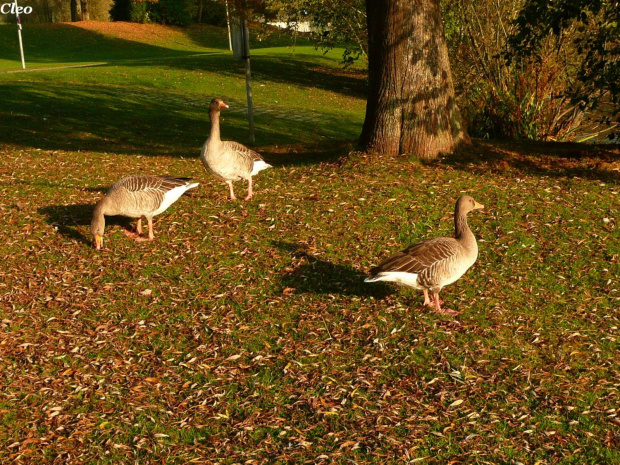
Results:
592 27
121 10
526 100
335 23
140 12
211 12
174 12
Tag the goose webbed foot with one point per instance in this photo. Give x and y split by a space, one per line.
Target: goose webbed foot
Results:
443 311
448 312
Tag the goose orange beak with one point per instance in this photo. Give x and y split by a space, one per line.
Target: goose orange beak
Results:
223 106
98 242
478 206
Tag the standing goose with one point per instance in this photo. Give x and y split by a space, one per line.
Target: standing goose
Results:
434 263
229 160
135 197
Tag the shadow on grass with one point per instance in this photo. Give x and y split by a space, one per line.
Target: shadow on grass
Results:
86 117
69 44
554 159
81 45
306 154
67 219
139 120
316 276
279 69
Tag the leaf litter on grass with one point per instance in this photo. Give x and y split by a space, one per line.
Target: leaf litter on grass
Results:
227 339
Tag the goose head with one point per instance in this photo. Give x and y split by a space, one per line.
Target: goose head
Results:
465 204
217 104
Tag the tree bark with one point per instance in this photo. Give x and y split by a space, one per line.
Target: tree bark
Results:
411 107
74 11
85 13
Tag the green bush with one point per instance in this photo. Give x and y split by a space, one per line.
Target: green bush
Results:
175 12
211 12
121 10
500 99
140 12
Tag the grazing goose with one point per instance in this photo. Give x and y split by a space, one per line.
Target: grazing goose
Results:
135 197
434 263
229 160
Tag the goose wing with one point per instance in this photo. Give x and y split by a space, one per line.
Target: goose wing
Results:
145 194
240 157
242 151
420 257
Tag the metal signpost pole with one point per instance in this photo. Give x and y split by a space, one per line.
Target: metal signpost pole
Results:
19 33
248 76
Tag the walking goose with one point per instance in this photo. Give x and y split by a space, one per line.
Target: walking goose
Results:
135 197
434 263
229 160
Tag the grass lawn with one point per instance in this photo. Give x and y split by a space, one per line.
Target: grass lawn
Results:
245 333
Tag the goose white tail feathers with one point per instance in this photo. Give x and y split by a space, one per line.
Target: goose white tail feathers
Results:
259 165
173 195
402 278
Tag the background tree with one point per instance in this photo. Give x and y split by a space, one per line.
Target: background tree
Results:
411 106
337 23
85 12
74 11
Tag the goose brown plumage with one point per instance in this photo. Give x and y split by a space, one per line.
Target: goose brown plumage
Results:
229 160
137 196
432 264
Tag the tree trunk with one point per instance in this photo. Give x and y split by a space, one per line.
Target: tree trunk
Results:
199 18
74 11
411 107
85 14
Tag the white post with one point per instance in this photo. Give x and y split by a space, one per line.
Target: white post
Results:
19 34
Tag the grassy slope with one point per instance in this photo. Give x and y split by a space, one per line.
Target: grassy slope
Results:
245 331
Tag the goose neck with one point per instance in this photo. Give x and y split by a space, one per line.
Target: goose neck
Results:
98 223
461 228
214 116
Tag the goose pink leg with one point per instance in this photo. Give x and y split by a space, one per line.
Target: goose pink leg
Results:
136 234
250 193
139 238
427 300
232 192
151 235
